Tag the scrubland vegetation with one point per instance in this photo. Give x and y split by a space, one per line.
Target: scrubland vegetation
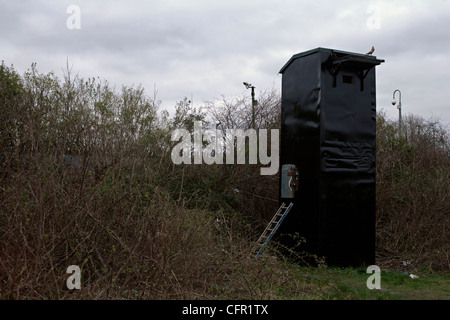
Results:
86 179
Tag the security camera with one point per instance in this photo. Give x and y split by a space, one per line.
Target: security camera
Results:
394 102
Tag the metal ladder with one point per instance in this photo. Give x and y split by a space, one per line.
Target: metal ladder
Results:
272 227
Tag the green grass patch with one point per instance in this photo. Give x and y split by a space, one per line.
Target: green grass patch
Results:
351 284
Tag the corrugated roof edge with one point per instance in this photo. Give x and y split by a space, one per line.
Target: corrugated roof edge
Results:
309 52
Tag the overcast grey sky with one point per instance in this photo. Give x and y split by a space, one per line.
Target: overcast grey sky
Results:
204 49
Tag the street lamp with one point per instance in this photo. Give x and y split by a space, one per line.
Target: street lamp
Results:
254 102
399 107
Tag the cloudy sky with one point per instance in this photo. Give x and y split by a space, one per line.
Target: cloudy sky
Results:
205 49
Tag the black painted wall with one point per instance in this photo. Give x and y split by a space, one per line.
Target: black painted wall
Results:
328 130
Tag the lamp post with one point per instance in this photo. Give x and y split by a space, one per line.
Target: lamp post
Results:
254 102
399 107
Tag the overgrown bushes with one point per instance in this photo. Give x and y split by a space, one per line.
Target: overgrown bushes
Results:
87 180
413 192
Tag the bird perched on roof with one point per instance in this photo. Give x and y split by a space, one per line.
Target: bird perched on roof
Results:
371 50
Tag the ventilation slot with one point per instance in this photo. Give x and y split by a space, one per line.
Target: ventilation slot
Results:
348 79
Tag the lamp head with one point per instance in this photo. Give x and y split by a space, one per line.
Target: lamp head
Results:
247 85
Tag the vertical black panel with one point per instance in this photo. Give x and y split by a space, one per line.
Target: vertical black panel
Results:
328 128
300 145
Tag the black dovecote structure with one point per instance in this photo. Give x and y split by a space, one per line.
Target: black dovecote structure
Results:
328 134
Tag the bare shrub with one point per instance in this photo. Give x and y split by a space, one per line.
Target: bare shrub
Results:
87 180
413 189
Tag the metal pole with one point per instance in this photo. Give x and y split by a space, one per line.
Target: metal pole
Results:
253 107
254 102
399 109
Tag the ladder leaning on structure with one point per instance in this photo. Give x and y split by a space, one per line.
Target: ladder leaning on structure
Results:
272 227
